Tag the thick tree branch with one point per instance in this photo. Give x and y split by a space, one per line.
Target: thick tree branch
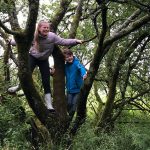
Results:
31 22
60 13
81 108
76 19
13 19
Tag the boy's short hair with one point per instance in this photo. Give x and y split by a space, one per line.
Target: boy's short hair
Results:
67 52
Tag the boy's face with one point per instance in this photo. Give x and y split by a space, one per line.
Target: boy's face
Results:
69 58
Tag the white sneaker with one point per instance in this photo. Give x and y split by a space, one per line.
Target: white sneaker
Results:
13 89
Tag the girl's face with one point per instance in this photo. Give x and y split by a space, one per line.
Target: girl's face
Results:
44 29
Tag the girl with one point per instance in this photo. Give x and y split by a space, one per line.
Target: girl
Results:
41 49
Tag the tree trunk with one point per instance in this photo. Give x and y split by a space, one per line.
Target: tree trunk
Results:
6 60
59 84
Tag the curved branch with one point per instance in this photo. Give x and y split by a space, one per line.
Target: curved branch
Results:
7 29
135 3
129 20
134 26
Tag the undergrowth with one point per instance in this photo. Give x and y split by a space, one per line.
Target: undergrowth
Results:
13 128
125 136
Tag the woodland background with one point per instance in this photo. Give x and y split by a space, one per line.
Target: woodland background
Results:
113 106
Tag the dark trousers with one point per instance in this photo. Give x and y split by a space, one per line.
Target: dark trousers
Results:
44 70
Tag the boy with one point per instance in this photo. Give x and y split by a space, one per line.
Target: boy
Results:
75 74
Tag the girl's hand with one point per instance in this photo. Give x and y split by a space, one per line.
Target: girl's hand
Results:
79 41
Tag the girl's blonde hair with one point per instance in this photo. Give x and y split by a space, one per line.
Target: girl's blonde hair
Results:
36 34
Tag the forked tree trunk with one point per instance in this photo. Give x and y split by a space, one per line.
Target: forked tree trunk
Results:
50 121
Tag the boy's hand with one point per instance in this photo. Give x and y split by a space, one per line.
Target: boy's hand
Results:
85 76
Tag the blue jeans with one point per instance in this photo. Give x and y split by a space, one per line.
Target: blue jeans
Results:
72 103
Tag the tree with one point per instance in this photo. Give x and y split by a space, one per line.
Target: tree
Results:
104 45
106 31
